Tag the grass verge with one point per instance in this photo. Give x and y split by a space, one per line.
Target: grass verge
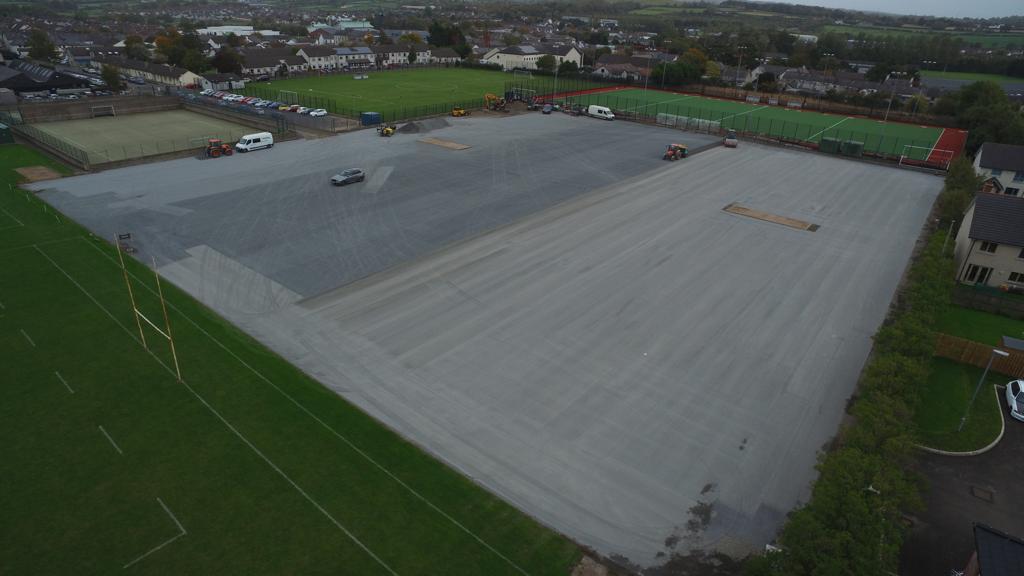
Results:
943 400
979 326
247 467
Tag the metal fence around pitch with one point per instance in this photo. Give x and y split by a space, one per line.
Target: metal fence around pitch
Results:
696 118
72 153
157 147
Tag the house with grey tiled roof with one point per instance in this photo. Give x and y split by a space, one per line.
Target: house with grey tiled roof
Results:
1002 166
989 247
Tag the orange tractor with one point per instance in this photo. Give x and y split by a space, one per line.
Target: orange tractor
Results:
216 148
676 151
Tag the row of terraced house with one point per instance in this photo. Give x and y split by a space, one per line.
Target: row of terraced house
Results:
274 61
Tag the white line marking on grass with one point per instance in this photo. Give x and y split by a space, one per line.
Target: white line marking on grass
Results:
27 337
812 137
743 113
181 532
65 383
222 419
2 307
317 419
659 103
112 443
937 140
12 217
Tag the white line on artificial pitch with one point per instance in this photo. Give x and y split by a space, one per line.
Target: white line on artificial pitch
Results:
937 140
181 532
224 421
303 408
659 103
12 217
2 307
27 337
64 382
829 128
743 113
112 443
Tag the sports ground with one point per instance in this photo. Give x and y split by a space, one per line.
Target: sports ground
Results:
393 93
113 138
248 466
587 334
891 139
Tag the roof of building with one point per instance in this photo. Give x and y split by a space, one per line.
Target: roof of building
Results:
998 218
353 50
218 77
7 73
163 70
318 51
444 52
398 48
999 554
1002 156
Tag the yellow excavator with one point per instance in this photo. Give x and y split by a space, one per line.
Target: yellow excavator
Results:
459 112
386 130
495 103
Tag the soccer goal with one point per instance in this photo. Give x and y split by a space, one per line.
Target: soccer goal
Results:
923 156
522 74
288 96
98 111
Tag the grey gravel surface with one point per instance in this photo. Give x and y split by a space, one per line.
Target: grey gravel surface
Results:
634 366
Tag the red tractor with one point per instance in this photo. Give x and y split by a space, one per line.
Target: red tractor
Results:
216 148
675 152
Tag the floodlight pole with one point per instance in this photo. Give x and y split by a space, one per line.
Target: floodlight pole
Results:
131 295
167 320
995 352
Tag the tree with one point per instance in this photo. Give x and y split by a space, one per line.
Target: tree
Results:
135 48
194 61
961 184
546 63
234 40
410 38
40 47
512 39
568 68
916 104
227 59
712 70
112 78
412 54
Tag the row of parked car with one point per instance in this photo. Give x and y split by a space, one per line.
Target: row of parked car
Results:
261 103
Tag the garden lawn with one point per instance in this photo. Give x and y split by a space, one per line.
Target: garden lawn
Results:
247 467
943 401
979 326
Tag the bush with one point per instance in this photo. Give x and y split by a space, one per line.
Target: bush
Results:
852 523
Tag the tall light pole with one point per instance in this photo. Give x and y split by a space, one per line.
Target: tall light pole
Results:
891 93
995 352
739 64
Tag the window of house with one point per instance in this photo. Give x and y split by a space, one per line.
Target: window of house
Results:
1013 191
989 247
977 274
1019 176
1016 277
997 172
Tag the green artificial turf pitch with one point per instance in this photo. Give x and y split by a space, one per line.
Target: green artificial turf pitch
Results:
888 138
246 467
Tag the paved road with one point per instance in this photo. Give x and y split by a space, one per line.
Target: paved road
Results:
633 366
961 491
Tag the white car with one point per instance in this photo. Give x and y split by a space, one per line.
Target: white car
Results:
207 92
1015 399
303 110
318 112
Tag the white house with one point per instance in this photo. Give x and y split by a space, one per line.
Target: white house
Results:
525 56
444 56
354 57
1002 166
319 57
151 72
989 248
398 55
268 62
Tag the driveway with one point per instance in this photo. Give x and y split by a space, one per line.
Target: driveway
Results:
961 491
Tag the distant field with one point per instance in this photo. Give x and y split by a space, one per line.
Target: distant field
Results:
985 40
970 76
663 10
248 466
394 93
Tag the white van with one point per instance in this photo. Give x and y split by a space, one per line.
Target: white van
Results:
600 112
251 142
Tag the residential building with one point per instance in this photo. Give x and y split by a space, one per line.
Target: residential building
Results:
236 30
355 57
20 77
989 247
396 35
388 55
525 56
319 57
995 554
151 72
225 82
269 62
444 55
1002 166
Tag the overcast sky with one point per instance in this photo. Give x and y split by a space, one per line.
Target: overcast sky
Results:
958 8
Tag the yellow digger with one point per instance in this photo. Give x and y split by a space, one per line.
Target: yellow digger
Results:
386 130
459 112
495 103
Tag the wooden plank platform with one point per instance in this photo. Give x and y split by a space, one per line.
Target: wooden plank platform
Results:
444 143
735 208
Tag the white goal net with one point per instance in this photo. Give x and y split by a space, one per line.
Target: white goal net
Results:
926 157
97 111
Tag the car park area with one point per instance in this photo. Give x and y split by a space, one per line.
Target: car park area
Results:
557 313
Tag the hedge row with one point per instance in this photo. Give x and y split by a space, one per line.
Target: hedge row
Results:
852 523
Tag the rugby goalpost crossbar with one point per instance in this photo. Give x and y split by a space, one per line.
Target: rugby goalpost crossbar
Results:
139 316
944 157
288 96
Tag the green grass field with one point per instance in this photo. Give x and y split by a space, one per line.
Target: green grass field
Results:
1001 40
943 401
393 93
246 467
886 138
979 326
970 76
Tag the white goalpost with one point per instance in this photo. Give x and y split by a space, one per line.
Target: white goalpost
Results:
98 111
522 74
924 156
123 243
288 96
